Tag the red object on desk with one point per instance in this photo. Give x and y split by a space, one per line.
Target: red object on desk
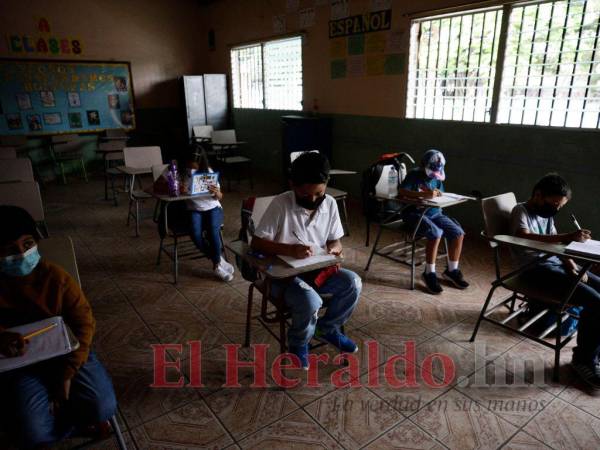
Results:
325 274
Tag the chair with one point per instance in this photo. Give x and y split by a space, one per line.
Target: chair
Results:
201 138
25 194
409 252
62 252
253 210
225 146
143 158
496 216
112 153
67 148
8 152
14 170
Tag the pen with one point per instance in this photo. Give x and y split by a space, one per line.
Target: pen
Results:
40 331
298 237
574 219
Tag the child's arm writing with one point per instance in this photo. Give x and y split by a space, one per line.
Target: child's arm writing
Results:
298 251
579 236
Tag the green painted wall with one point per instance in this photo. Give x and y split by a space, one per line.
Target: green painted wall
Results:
489 158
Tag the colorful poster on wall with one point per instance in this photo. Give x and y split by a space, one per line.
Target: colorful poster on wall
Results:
338 68
394 64
42 97
337 48
375 64
356 44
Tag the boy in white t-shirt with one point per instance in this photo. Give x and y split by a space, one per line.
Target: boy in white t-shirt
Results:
295 224
206 213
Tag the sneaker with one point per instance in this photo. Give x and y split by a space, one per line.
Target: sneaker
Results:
456 278
432 283
589 373
338 340
301 351
222 273
228 267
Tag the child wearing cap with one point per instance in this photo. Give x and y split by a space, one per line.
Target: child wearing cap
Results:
426 182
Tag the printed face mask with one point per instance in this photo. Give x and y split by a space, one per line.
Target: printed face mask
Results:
20 265
309 204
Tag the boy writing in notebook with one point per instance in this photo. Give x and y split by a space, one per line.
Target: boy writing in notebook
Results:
295 224
46 399
427 182
534 220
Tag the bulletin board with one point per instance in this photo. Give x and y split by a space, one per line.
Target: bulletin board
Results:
42 97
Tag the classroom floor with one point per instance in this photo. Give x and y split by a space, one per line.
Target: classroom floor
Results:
136 305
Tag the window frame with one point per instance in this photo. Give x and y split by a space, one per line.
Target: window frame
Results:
507 10
262 43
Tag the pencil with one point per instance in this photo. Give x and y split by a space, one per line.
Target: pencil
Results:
40 331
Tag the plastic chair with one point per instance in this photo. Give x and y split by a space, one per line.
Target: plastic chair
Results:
67 148
143 158
112 152
25 194
226 146
14 170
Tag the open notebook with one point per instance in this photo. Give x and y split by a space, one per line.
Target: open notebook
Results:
587 248
55 342
320 256
448 197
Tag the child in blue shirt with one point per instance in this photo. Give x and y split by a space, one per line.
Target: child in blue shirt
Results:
426 182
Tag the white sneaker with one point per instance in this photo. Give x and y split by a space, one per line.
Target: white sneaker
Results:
226 266
222 273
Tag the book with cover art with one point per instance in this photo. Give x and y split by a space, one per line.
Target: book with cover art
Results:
200 182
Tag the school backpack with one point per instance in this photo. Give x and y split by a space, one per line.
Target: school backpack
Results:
375 180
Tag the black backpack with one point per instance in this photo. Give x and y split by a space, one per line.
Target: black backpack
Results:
371 176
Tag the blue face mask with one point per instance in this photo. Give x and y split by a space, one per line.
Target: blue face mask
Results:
20 265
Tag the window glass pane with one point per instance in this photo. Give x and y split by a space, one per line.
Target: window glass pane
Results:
246 77
283 74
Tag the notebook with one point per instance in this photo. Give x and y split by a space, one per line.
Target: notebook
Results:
448 197
200 181
320 256
587 248
55 342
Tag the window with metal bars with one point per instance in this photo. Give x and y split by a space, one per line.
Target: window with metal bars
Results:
268 75
545 54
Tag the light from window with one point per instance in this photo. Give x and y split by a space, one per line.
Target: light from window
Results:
268 75
452 66
552 65
247 75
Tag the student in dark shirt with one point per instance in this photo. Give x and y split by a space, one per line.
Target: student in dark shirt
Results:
427 182
534 220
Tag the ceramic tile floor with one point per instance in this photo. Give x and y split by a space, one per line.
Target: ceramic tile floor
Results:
136 305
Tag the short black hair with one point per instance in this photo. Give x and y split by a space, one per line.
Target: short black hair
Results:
16 222
552 184
310 168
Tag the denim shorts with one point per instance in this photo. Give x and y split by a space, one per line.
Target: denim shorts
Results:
434 226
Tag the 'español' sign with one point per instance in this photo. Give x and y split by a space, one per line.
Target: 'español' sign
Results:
362 23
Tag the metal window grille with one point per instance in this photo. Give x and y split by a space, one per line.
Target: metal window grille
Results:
551 71
452 66
550 65
268 75
247 77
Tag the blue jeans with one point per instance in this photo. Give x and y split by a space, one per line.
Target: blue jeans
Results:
25 399
435 226
304 303
211 222
553 274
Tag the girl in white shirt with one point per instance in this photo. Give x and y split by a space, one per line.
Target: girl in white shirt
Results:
206 213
